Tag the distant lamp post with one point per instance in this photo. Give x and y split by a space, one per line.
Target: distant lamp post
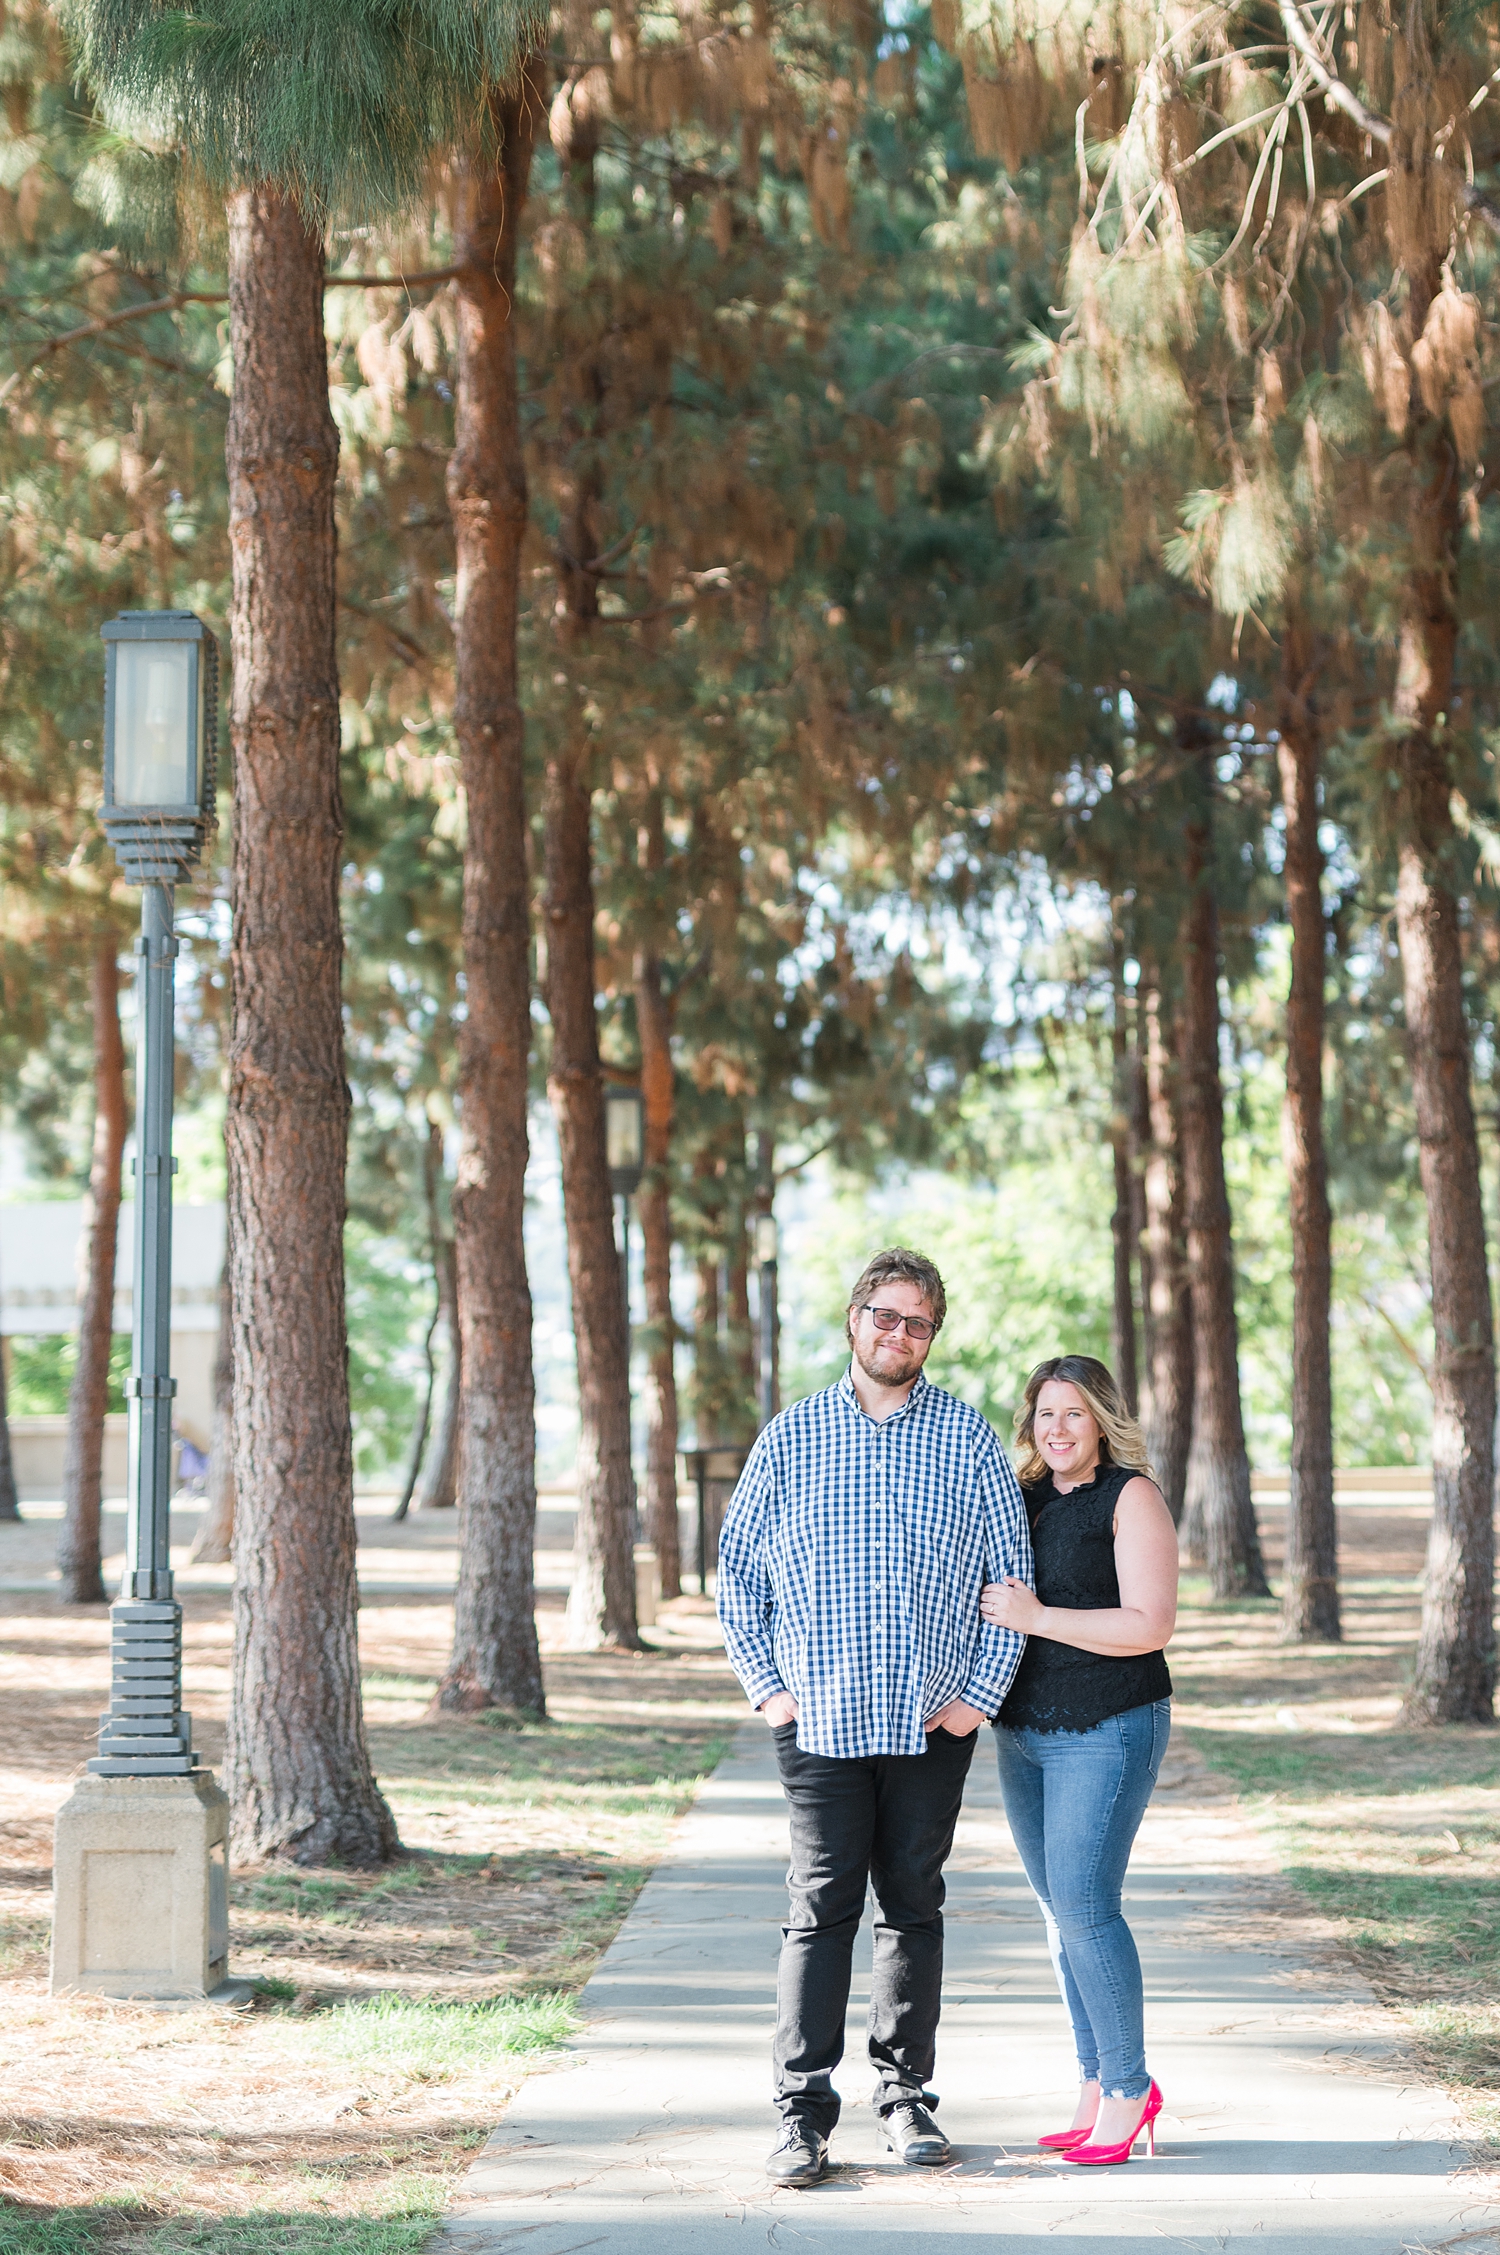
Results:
625 1156
141 1872
765 1261
624 1138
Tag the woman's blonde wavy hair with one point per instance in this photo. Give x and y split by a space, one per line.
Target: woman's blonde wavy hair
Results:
1123 1441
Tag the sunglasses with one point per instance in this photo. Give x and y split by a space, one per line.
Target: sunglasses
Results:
888 1319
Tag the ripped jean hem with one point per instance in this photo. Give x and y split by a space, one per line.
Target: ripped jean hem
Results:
1087 2075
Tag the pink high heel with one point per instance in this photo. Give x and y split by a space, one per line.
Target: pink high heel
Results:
1058 2141
1098 2156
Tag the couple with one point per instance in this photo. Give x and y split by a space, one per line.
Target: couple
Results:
878 1599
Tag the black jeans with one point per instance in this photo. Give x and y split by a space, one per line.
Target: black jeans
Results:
887 1821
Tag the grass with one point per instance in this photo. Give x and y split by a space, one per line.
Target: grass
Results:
22 1942
104 2228
426 2040
1309 1765
1391 1835
341 1899
395 2012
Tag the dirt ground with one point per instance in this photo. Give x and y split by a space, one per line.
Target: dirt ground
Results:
398 2010
317 2106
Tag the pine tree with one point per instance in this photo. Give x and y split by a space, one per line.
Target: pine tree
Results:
495 1655
292 118
1310 1598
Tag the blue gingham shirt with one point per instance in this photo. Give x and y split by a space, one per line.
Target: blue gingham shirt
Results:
851 1562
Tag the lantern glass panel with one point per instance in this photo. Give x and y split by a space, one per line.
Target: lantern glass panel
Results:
622 1131
156 732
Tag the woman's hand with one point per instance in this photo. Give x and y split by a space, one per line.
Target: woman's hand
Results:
1011 1605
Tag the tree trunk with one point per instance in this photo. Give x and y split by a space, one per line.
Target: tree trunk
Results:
214 1544
708 1379
654 1021
416 1447
1231 1541
438 1487
495 1660
10 1507
1139 1116
1455 1676
768 1311
742 1354
78 1558
601 1604
1122 1326
1169 1330
1310 1597
297 1766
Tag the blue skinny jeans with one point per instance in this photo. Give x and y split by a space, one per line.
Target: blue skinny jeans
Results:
1075 1800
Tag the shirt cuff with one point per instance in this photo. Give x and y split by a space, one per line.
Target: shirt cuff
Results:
987 1691
761 1686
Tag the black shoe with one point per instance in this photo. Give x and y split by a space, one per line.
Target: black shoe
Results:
909 2132
799 2156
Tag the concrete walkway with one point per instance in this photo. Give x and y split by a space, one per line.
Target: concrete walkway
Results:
1286 2128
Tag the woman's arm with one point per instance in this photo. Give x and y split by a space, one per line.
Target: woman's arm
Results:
1146 1567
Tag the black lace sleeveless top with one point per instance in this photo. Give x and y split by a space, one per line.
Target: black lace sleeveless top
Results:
1057 1687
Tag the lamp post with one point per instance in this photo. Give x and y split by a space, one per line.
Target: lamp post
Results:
765 1261
625 1156
141 1905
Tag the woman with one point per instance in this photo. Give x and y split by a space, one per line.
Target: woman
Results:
1084 1725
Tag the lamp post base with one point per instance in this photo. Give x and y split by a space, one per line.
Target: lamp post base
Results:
141 1891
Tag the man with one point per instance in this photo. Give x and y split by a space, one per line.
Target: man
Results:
865 1524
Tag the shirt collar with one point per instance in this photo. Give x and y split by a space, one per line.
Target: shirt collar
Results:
846 1388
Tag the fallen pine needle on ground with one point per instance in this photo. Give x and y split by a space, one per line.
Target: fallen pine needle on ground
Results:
398 2011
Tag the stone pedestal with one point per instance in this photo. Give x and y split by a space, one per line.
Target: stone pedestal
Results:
141 1891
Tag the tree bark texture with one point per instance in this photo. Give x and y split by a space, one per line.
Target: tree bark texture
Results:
297 1766
1122 1326
495 1658
654 1021
1169 1327
1455 1674
214 1543
1231 1541
1310 1595
78 1558
601 1603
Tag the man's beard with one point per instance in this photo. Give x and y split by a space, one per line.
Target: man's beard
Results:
886 1372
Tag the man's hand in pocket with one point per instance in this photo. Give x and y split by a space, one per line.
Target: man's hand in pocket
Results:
958 1720
780 1708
